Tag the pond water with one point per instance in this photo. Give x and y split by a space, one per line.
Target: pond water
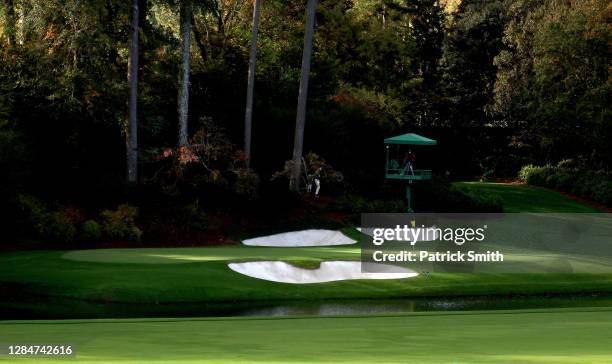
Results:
66 309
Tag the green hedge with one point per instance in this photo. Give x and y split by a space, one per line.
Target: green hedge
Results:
566 176
67 225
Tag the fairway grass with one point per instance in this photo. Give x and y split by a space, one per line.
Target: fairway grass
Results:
201 275
524 198
535 336
74 283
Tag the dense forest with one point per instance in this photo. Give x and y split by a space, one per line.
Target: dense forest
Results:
158 88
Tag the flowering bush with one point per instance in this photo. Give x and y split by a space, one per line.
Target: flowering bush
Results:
208 159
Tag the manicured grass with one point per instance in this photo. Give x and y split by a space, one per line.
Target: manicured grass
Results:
201 274
143 277
538 336
523 198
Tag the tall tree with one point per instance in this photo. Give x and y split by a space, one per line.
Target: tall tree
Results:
427 21
473 42
183 95
300 119
248 113
9 21
132 128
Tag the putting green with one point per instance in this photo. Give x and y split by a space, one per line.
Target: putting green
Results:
37 280
537 336
201 274
28 276
225 253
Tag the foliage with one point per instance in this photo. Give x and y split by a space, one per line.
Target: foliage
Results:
569 177
209 161
61 228
536 175
536 72
13 154
192 215
247 183
121 223
35 213
59 225
92 231
473 41
312 164
554 74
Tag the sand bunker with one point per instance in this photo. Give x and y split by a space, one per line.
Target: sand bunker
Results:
327 272
312 237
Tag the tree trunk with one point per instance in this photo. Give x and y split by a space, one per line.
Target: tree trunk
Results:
384 15
197 36
183 95
300 118
248 113
10 22
132 127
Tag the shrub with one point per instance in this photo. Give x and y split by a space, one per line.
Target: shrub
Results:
59 225
350 203
92 231
120 223
567 164
537 176
567 176
247 183
61 228
35 212
584 183
192 216
602 192
566 179
525 171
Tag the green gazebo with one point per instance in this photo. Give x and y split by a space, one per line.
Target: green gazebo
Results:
394 166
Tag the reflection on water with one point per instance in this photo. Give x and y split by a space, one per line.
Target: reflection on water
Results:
67 309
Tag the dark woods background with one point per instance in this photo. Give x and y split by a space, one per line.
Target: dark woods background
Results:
499 83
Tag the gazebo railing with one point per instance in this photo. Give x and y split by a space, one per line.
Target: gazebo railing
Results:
403 173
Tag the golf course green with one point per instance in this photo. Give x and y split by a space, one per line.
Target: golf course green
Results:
537 336
169 275
31 279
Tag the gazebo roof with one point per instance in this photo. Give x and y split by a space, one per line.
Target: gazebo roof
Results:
410 139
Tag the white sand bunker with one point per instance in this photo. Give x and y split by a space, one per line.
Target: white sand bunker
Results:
327 272
312 237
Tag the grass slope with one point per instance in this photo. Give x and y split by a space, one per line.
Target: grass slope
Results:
539 336
201 274
523 198
36 278
35 274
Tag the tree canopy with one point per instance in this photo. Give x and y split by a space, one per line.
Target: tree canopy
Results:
523 77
